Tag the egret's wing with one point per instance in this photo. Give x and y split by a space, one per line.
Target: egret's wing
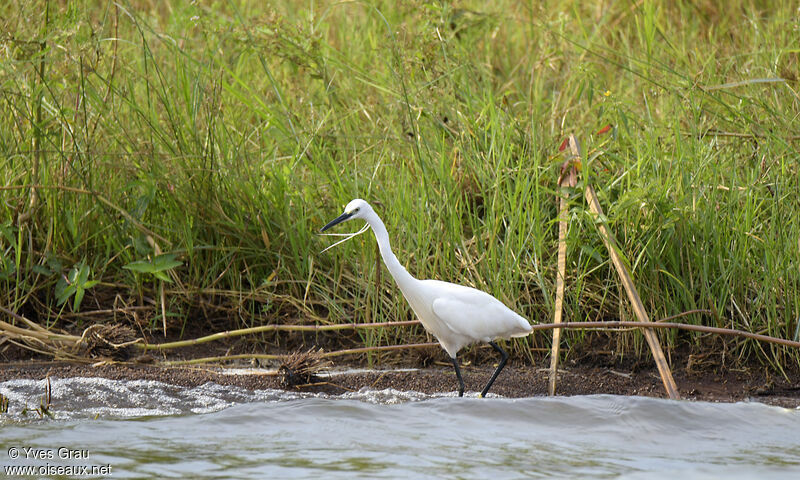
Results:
476 314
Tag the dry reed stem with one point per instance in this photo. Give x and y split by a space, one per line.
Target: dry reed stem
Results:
222 358
633 296
568 176
61 346
38 333
647 325
386 348
610 325
272 328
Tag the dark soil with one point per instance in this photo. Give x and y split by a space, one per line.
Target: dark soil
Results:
701 373
592 375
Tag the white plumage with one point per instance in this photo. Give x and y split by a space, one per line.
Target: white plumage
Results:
456 315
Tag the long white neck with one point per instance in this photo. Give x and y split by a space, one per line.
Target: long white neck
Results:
399 273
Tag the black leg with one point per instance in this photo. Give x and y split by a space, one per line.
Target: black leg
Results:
460 380
499 367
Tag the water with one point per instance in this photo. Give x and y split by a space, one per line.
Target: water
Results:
145 429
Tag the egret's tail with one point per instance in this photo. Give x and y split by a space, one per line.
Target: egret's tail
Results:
525 329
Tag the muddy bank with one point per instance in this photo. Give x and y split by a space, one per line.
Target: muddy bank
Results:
744 384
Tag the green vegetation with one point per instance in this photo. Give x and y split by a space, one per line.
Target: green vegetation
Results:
173 160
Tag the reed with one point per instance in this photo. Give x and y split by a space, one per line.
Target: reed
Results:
226 137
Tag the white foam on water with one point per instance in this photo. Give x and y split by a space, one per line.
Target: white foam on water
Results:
82 397
391 396
95 397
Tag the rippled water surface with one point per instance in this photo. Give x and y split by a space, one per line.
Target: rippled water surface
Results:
140 429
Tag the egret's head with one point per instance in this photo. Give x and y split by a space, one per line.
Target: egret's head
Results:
356 209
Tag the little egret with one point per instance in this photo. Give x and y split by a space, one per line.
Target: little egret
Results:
455 314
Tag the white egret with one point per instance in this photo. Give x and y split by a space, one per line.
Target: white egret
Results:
456 315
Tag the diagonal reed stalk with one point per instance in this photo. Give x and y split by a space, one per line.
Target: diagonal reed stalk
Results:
633 295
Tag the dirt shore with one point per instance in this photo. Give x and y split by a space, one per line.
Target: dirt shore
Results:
709 384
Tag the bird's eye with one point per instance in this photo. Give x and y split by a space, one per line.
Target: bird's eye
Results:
356 209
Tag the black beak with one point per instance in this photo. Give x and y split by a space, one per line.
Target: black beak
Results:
341 218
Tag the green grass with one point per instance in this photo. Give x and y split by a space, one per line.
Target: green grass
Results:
228 133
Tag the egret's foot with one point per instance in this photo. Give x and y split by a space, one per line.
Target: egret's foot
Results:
500 366
460 380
